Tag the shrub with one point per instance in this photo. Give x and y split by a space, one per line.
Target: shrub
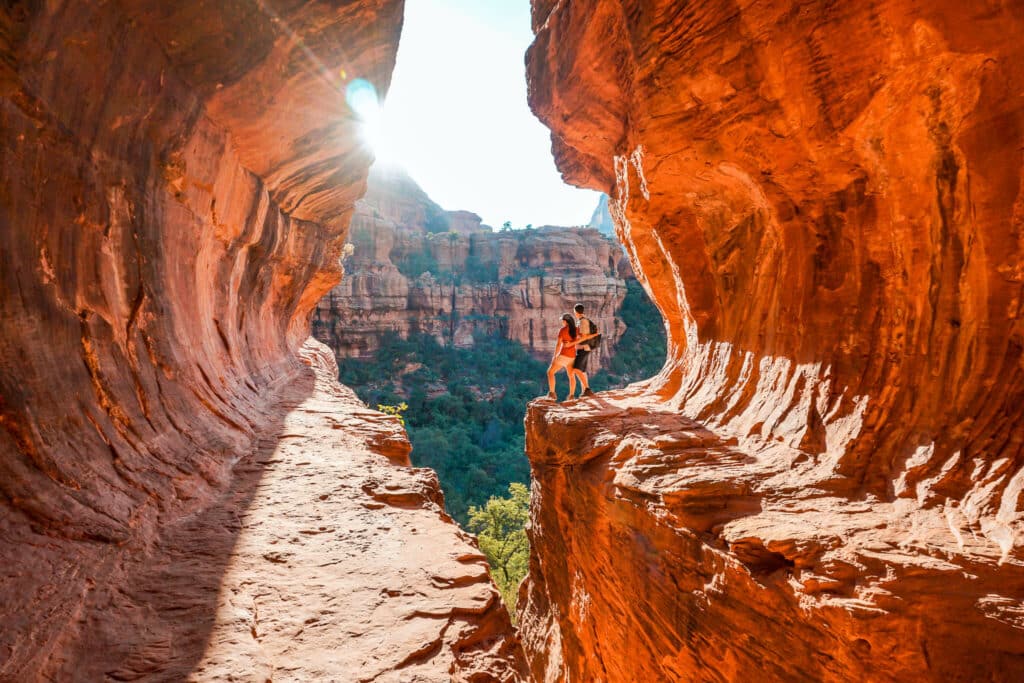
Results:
396 410
500 526
417 263
481 271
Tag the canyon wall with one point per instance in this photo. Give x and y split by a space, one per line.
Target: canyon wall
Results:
177 182
826 202
418 268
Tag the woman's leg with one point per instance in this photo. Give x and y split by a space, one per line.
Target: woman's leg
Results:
551 378
572 381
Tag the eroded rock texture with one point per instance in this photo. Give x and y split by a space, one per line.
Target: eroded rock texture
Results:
177 180
418 268
826 201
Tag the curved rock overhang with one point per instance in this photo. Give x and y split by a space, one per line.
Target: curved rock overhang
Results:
177 182
825 201
178 179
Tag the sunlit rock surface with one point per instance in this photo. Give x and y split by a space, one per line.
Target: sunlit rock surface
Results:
344 567
824 483
177 181
418 268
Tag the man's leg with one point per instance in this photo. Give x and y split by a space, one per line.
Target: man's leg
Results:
579 368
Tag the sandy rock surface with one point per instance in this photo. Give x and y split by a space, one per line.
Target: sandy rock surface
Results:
327 559
344 566
709 557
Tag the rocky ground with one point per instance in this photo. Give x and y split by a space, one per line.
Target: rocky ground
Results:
344 567
327 559
708 555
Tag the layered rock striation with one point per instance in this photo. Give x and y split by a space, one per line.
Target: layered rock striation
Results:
177 183
416 268
826 202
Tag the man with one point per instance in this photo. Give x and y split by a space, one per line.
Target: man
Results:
579 366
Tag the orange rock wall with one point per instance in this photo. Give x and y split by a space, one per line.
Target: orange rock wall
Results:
826 202
150 271
177 183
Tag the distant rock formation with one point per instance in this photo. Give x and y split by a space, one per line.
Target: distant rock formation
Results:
419 268
602 218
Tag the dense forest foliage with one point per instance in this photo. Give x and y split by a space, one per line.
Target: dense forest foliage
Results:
466 406
642 349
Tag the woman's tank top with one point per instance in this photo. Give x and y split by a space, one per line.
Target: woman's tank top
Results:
568 345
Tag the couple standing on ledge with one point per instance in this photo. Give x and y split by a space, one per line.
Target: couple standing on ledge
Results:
574 345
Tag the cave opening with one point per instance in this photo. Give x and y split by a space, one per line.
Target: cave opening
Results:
823 198
451 298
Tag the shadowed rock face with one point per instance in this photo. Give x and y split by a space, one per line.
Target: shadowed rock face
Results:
155 286
177 181
826 202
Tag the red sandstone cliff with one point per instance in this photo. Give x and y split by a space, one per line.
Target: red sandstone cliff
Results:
826 201
177 183
418 268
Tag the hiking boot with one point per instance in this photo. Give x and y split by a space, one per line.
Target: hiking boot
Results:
587 393
553 396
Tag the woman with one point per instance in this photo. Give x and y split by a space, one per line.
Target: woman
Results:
565 354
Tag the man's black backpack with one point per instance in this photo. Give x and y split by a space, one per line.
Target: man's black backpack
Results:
590 344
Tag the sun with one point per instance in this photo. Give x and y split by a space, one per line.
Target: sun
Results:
375 132
362 99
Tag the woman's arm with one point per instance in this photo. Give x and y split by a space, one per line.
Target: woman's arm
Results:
558 350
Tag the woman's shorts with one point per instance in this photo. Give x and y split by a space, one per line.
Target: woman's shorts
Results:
561 361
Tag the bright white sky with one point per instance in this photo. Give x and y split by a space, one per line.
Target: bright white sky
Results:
456 116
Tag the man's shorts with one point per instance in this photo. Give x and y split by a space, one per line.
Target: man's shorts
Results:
581 360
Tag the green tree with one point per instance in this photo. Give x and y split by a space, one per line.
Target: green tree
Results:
500 526
417 263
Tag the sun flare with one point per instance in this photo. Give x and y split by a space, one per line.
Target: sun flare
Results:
363 100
